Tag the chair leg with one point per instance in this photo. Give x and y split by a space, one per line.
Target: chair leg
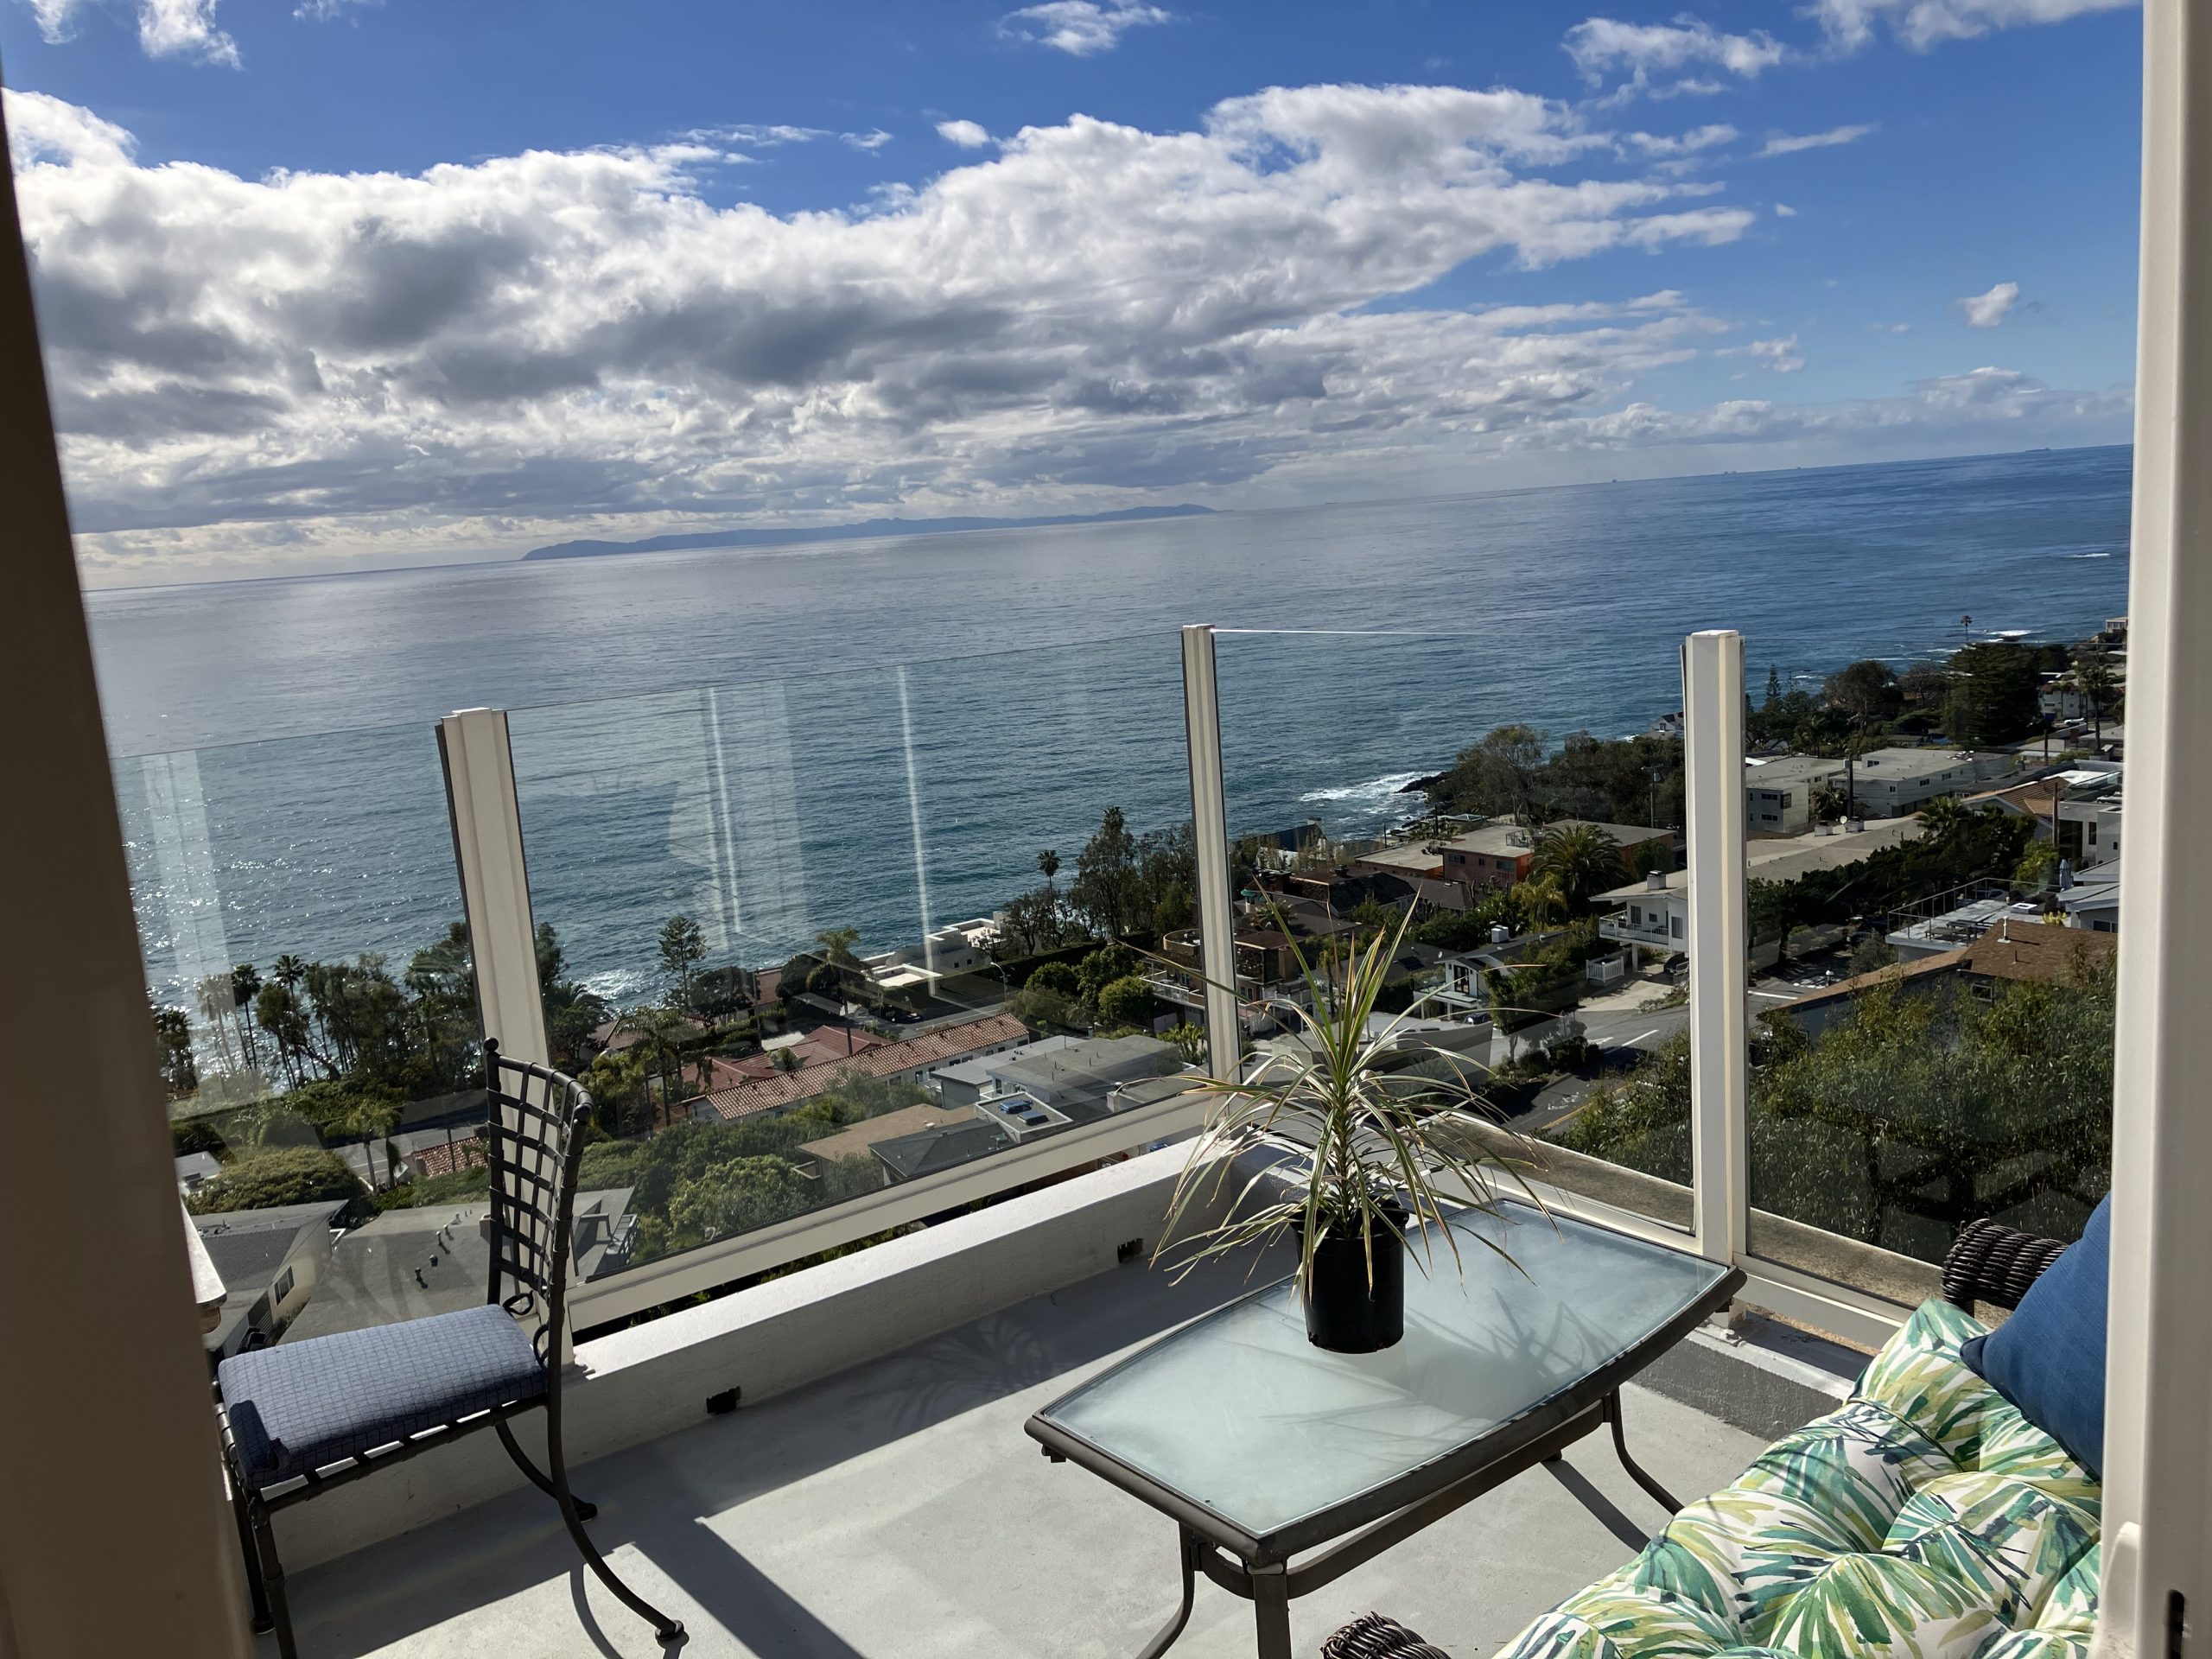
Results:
584 1511
666 1630
272 1576
251 1555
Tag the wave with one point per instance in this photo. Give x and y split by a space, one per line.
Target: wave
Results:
2086 556
1375 792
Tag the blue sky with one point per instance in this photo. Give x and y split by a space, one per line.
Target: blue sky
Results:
343 283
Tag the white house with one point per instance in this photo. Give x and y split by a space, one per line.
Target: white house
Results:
1778 793
1886 783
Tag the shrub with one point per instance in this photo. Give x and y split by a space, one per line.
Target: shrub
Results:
1126 1001
263 1180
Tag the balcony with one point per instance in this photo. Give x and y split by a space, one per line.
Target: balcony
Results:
970 1131
891 1505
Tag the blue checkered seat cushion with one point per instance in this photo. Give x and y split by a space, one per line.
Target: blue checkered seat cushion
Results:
300 1407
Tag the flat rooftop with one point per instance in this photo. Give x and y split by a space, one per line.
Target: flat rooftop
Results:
898 1511
1785 859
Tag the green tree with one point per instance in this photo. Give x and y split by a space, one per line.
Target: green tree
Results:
1773 686
1107 883
681 949
1540 899
1048 866
1126 1001
1864 690
173 1034
1776 910
1996 695
658 1030
2094 678
1495 776
1101 968
1581 859
734 1196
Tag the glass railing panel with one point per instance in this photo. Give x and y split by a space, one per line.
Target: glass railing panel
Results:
313 994
813 939
1512 822
1932 894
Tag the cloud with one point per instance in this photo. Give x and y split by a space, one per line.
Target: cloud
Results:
1989 310
323 11
1780 355
1922 24
42 128
1786 143
967 135
1604 47
491 351
1891 327
1784 210
1987 407
1082 28
1680 144
867 142
167 28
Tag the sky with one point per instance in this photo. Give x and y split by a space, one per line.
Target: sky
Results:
356 283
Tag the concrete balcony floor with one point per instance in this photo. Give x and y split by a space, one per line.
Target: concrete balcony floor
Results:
898 1511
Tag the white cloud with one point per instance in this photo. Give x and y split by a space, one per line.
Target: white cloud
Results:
1989 310
1604 46
1687 143
868 142
1986 406
510 350
167 28
323 11
1788 143
1921 24
184 28
1891 327
1784 210
1082 28
43 128
967 135
1780 355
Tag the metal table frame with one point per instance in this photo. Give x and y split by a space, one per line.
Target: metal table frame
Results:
1260 1570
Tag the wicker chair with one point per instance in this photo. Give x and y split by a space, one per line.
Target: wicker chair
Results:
1986 1263
301 1418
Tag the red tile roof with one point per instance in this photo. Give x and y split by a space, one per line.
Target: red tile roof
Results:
940 1047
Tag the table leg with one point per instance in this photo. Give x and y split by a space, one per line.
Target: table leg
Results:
1636 1473
1271 1609
1187 1547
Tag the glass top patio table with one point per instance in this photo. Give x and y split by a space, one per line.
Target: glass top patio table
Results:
1282 1445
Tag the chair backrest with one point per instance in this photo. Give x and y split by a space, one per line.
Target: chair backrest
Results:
533 1131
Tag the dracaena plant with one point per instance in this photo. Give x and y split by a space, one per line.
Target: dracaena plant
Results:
1373 1149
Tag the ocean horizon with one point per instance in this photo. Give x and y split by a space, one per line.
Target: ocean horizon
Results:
883 733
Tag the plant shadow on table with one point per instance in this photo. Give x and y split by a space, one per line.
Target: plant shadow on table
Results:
659 1497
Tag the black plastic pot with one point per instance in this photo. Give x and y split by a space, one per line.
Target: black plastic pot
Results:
1346 1313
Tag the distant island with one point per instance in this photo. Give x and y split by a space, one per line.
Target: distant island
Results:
797 536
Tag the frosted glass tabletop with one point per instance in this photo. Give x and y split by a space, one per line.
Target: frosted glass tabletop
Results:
1240 1414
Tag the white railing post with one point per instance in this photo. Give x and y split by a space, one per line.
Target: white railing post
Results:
1210 835
1712 720
2157 1589
480 770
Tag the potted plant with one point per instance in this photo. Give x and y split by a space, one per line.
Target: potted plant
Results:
1372 1159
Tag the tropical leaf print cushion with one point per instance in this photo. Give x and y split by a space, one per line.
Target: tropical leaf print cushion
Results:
1925 1518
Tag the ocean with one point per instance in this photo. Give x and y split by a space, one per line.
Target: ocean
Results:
883 735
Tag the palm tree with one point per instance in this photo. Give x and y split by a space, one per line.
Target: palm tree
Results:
2093 677
369 1119
1580 860
214 995
1540 899
288 971
1048 866
1946 818
656 1030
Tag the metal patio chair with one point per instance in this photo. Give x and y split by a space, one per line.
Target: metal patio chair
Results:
301 1418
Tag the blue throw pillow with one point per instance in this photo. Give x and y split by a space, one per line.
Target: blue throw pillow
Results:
2048 1358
